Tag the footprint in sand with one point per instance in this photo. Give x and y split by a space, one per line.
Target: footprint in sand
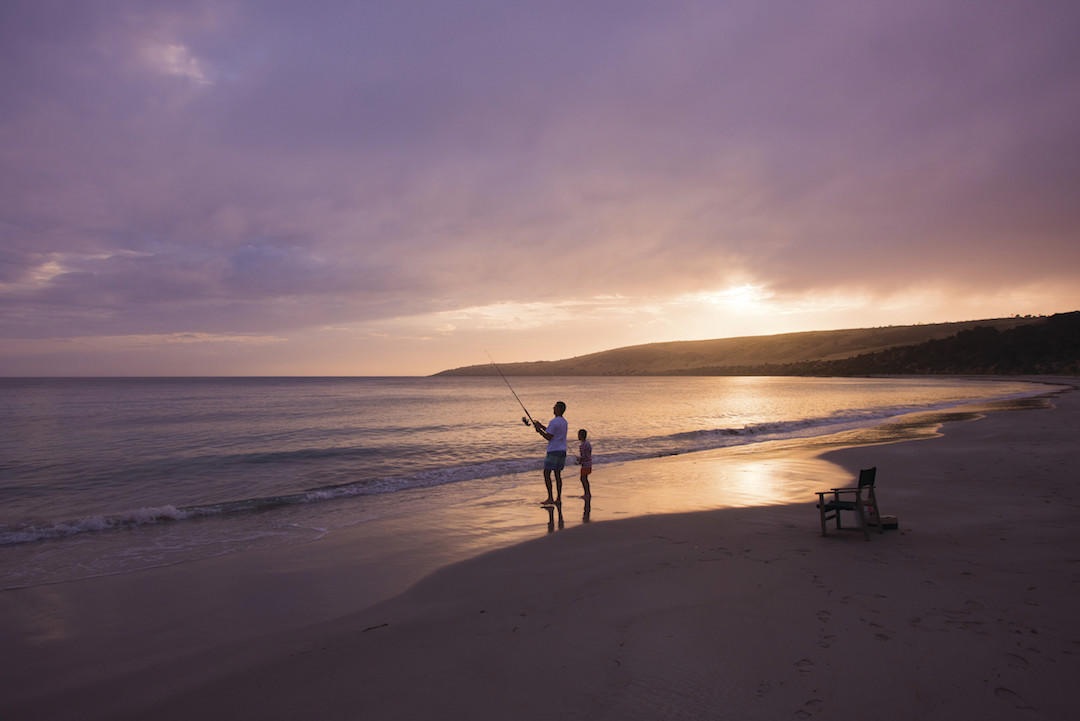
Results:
1012 698
811 707
1017 661
881 633
804 665
824 616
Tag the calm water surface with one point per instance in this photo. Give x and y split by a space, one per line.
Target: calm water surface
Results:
210 466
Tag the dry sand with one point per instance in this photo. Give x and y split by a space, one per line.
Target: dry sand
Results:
967 611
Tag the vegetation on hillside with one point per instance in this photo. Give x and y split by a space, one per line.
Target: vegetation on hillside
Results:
1000 345
1051 348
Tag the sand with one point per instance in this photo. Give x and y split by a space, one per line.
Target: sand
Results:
966 611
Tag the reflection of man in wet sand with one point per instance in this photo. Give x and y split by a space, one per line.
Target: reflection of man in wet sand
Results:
555 433
551 517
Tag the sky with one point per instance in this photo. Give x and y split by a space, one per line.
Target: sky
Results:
395 188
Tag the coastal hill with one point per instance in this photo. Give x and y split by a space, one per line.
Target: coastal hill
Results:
1050 347
828 352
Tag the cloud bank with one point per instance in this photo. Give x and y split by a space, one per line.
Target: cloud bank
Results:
261 169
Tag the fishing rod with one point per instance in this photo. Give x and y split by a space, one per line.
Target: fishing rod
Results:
528 420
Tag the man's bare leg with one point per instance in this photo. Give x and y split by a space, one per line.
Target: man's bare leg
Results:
547 482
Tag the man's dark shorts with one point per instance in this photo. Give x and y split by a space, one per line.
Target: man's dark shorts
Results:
555 460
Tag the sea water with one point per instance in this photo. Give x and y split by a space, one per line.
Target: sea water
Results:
103 476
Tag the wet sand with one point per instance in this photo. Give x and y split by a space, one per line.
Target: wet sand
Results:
747 612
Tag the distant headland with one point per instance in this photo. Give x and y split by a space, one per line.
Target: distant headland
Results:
1018 345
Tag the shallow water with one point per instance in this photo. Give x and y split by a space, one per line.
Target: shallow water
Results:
104 476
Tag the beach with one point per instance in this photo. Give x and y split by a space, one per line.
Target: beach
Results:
965 611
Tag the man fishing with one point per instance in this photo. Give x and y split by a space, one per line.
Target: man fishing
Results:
555 433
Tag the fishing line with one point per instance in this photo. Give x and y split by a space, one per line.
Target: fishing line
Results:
529 421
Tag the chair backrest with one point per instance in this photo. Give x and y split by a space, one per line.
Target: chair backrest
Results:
866 493
866 476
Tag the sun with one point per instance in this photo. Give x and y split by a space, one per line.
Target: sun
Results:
745 297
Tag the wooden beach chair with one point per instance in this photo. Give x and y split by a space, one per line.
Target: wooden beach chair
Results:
860 500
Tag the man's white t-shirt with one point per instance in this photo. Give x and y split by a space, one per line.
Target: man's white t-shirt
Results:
557 428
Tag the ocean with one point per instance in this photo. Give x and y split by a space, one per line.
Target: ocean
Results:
105 476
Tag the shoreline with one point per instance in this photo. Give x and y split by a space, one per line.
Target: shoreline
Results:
32 564
38 530
569 572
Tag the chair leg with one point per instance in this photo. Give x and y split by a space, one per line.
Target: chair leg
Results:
860 510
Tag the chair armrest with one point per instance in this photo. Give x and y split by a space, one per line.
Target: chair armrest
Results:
836 491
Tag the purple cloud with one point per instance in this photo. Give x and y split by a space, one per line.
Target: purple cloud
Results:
253 166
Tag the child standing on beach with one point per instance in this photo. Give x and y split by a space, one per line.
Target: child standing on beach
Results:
585 459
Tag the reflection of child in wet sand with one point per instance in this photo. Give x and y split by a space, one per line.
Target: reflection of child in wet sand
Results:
585 459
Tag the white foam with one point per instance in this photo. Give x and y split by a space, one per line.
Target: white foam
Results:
89 524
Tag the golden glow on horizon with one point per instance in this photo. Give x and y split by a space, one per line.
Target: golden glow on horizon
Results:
736 310
745 297
426 343
113 343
